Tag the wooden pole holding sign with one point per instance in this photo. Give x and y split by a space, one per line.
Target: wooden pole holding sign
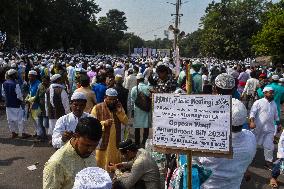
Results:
189 154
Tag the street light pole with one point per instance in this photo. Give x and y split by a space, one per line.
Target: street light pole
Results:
175 28
176 22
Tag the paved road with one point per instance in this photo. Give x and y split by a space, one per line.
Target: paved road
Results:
16 155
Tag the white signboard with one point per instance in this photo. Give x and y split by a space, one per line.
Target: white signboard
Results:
145 51
192 122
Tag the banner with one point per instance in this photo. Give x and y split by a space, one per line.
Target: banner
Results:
136 51
145 51
164 52
154 52
149 53
200 123
140 51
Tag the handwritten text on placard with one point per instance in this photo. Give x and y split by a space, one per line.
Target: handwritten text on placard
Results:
197 122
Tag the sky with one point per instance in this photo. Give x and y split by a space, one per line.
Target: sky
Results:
147 18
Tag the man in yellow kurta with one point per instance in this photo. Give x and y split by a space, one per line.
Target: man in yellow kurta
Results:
111 114
60 170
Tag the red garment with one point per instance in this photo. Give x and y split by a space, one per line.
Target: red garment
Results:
242 83
262 75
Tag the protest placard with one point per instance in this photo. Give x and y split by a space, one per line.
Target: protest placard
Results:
197 123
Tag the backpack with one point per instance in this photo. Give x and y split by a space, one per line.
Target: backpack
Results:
143 101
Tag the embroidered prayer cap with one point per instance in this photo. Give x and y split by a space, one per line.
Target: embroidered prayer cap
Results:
55 77
78 96
239 113
225 81
267 89
140 76
32 72
281 80
92 178
111 92
275 77
11 72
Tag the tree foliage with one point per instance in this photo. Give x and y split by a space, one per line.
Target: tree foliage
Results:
129 42
55 24
270 39
111 30
229 29
228 26
190 45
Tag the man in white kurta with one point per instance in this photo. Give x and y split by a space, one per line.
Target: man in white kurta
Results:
51 106
262 116
14 111
228 173
66 125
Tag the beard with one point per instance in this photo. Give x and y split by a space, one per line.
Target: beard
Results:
85 155
111 107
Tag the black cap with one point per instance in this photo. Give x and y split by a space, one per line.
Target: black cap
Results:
126 145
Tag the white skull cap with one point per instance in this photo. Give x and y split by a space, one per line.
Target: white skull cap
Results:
92 178
225 81
239 113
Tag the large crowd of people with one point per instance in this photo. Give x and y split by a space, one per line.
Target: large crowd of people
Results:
86 106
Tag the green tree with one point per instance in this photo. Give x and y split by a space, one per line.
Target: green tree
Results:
159 43
228 27
69 22
129 42
190 44
112 27
50 24
270 40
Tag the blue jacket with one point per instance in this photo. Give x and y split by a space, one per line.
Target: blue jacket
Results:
32 91
100 91
12 101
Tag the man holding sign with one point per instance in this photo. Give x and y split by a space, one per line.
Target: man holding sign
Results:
228 173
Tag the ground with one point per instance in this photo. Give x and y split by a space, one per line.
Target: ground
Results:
17 154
